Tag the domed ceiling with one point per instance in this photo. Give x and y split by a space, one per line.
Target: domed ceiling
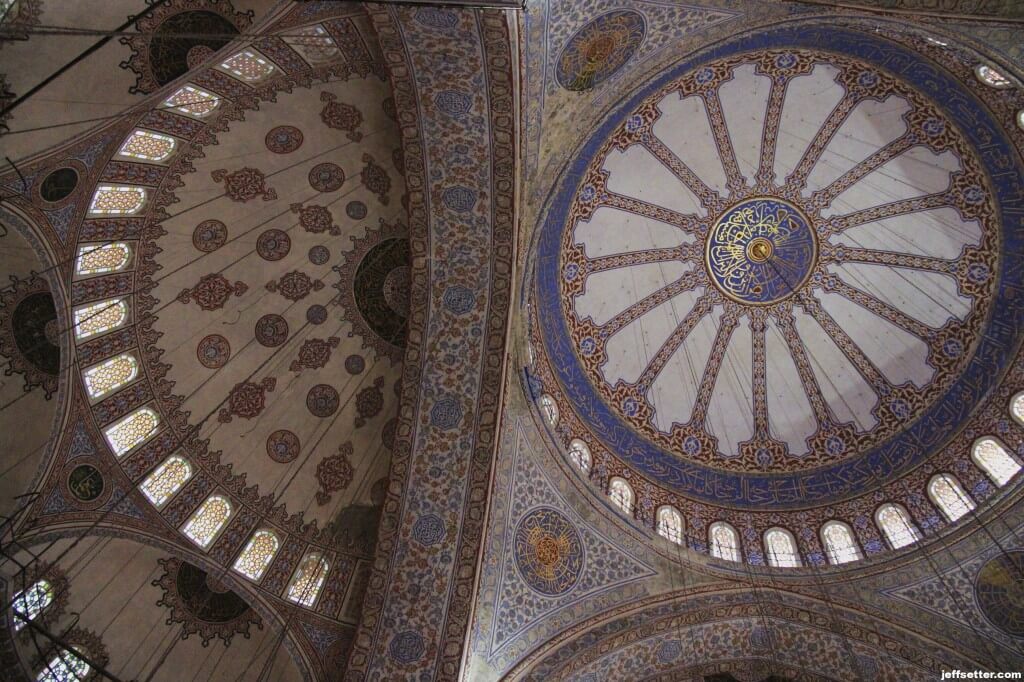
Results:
781 274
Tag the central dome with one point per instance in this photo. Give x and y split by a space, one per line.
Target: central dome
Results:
773 276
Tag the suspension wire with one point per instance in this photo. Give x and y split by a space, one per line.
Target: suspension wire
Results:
83 55
760 606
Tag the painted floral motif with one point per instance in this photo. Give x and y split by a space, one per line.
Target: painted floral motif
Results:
334 473
326 177
341 116
283 139
375 179
322 400
246 400
314 354
212 292
316 219
295 285
244 184
271 330
273 245
283 446
29 333
599 49
210 235
369 402
213 351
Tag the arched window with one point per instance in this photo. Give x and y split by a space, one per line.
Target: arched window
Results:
896 525
193 101
549 409
248 65
166 480
949 496
208 520
31 602
579 453
257 555
96 259
110 375
990 76
142 144
724 541
621 494
1017 402
670 524
308 580
1020 119
994 460
132 430
66 666
117 200
839 544
313 43
98 318
780 546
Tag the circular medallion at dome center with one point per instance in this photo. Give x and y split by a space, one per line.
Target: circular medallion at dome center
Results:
760 251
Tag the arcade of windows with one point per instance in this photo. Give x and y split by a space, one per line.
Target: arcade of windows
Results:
838 539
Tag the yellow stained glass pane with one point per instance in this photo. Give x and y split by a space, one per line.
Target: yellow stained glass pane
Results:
248 66
946 492
95 259
314 44
896 525
166 480
308 580
132 430
193 101
257 555
117 200
781 548
207 521
110 375
142 144
97 318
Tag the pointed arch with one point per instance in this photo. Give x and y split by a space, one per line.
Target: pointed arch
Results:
132 431
110 375
31 602
98 318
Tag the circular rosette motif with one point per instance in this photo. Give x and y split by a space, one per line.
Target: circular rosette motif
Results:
781 260
548 551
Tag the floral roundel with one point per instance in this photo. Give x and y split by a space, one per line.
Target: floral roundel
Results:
548 551
599 49
780 267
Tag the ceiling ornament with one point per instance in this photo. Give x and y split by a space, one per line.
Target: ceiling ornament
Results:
179 36
210 235
778 272
316 219
212 291
244 184
213 351
29 333
999 591
284 139
373 289
294 285
341 116
246 400
334 473
203 605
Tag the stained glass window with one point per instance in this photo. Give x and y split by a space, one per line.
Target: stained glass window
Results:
166 480
117 200
780 546
257 555
1020 119
994 460
549 409
31 602
9 10
110 375
193 101
65 667
724 541
949 496
96 259
314 44
621 494
1017 408
142 144
308 580
132 430
101 317
670 524
990 76
208 520
839 544
580 455
895 523
248 66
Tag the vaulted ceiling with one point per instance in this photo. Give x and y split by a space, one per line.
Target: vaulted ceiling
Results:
332 331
